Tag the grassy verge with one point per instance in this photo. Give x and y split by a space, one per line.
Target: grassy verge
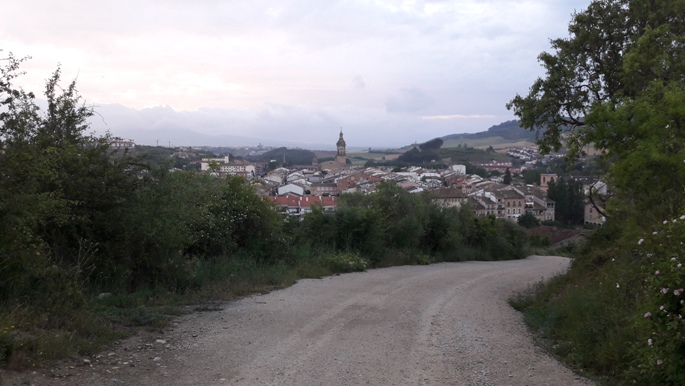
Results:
31 339
617 315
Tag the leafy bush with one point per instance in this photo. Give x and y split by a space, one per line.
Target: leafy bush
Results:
660 353
528 221
346 262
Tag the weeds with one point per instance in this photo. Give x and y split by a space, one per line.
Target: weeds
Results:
618 312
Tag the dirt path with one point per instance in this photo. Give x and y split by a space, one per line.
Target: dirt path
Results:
444 324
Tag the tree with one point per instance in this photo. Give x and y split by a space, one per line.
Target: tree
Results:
61 194
617 84
433 144
470 169
569 199
532 176
507 177
528 221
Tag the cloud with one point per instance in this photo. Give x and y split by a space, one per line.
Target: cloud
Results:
293 70
276 125
455 116
408 100
358 83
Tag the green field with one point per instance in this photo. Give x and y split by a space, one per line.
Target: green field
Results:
482 143
361 157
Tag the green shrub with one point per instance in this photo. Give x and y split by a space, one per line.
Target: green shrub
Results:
346 262
660 351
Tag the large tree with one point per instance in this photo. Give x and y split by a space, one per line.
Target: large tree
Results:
617 83
568 196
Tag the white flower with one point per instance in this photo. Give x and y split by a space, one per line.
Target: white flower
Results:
641 241
659 362
682 217
654 233
649 341
618 286
661 308
679 265
648 314
657 272
665 222
664 291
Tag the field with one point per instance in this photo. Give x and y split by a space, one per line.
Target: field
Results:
361 157
498 143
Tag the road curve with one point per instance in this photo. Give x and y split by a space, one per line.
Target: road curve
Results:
442 324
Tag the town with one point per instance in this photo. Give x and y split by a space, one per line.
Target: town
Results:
297 190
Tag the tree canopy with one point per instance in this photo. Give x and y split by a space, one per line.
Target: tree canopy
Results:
616 83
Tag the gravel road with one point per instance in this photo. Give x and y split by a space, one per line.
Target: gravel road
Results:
443 324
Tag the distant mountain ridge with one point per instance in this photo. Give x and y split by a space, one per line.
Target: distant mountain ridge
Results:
509 130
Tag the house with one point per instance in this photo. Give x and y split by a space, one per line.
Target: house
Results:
294 189
597 192
459 169
499 166
299 206
511 203
449 197
350 181
592 216
483 206
120 143
324 188
239 168
225 167
537 203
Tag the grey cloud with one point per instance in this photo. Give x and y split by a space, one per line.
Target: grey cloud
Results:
408 100
276 125
290 59
358 83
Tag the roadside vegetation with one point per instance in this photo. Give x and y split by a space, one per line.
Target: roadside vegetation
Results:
94 245
616 83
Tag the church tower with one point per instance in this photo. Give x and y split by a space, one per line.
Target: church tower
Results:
341 157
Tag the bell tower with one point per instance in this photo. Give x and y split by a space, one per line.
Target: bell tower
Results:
341 157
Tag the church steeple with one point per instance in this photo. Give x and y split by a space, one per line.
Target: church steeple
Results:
341 157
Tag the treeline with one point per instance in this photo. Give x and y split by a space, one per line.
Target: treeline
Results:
426 152
287 157
392 227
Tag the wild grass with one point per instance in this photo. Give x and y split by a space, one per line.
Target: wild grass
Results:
617 314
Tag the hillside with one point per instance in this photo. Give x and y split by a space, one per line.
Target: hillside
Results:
502 136
509 130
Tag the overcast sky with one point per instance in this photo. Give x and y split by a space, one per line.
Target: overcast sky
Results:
387 72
